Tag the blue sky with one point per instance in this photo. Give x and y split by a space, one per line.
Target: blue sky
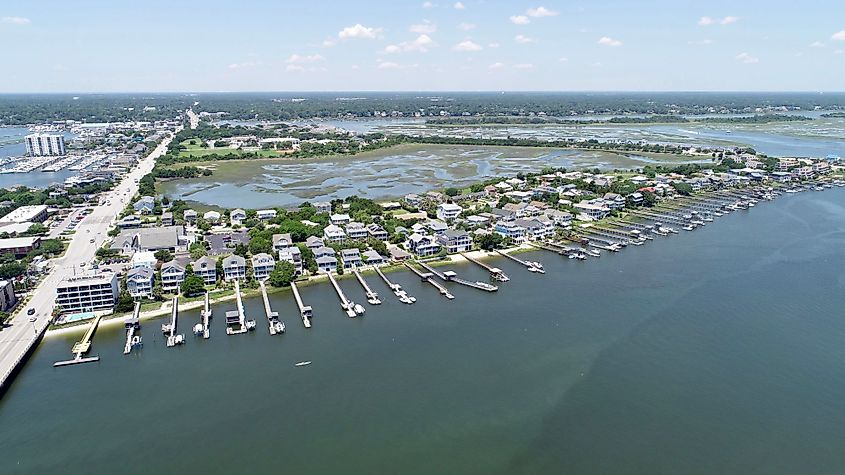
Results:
106 46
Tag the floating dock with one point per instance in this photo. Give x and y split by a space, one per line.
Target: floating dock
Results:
275 325
304 310
451 276
133 325
427 277
238 317
396 288
532 266
495 272
372 297
82 347
169 329
347 305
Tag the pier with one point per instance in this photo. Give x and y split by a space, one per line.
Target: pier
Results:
396 288
81 347
427 278
496 273
169 329
372 297
451 276
304 310
275 325
206 316
133 325
532 266
237 318
352 310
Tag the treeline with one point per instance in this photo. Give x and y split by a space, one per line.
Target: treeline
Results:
651 119
20 109
591 144
182 172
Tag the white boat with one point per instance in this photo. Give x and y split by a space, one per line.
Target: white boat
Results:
358 309
279 327
198 329
303 363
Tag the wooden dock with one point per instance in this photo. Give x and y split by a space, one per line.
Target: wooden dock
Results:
451 276
372 296
347 305
532 266
81 347
427 278
495 272
304 310
275 325
240 316
206 316
173 338
133 325
396 288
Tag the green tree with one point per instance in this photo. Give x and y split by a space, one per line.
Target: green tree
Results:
260 244
451 191
124 303
163 255
488 242
198 250
193 285
283 274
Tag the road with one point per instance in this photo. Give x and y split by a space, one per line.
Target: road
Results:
193 117
21 334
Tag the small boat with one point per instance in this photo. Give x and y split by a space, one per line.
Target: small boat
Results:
198 329
279 326
358 309
250 324
303 363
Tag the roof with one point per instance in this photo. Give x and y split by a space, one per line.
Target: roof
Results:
326 260
172 265
371 255
24 214
234 259
262 257
161 237
140 272
18 242
208 261
285 237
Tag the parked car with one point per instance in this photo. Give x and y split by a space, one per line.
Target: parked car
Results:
30 311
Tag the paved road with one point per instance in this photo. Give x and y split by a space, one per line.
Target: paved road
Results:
16 339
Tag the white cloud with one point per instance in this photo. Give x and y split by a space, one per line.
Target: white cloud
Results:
563 60
747 58
421 44
839 51
707 21
466 26
359 31
608 41
817 44
496 66
306 59
522 39
15 20
425 27
467 45
459 6
523 66
838 36
389 65
728 20
295 68
493 45
427 5
520 20
701 42
241 65
540 12
329 43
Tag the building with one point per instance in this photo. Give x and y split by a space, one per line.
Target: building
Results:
234 267
455 241
131 221
144 205
144 259
262 265
340 219
212 217
206 268
334 233
509 229
536 228
282 241
7 296
377 232
448 211
397 254
323 207
19 247
26 214
313 242
350 258
355 230
294 256
422 245
167 218
87 293
45 145
266 214
591 210
139 282
189 215
373 258
238 216
172 276
326 264
172 238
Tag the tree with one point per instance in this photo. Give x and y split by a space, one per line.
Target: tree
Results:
198 250
682 188
124 303
163 255
488 242
451 191
36 229
283 274
260 244
193 285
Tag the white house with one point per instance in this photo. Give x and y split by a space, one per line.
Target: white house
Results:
355 230
448 211
350 257
238 216
455 240
266 214
234 267
334 233
206 268
172 276
422 245
262 265
510 229
340 219
139 282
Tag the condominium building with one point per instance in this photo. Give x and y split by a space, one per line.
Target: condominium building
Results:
39 145
87 293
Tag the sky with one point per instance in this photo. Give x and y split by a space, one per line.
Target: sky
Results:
470 45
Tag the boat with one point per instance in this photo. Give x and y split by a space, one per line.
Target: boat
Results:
279 326
250 325
198 329
303 363
358 309
594 252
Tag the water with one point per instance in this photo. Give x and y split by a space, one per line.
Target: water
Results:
12 144
716 351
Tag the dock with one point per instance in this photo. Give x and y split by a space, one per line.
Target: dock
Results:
495 273
427 278
169 329
347 305
396 288
275 325
133 325
237 318
451 276
206 316
372 297
304 310
532 266
81 347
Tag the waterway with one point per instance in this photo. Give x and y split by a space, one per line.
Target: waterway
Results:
715 351
12 145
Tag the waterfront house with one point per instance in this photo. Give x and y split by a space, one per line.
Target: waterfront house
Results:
172 276
436 227
413 200
266 214
455 240
448 211
326 264
559 218
189 215
206 268
262 265
377 232
294 256
803 173
536 228
131 221
821 167
614 200
350 257
238 216
398 254
87 293
373 258
139 282
323 251
323 207
212 217
282 241
144 205
313 242
234 267
334 234
422 245
167 218
477 221
340 219
635 198
355 230
510 230
144 259
591 211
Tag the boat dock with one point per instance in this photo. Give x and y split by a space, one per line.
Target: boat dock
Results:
427 277
237 318
133 325
532 266
304 310
396 288
495 272
372 297
347 305
206 316
275 325
82 347
451 276
169 329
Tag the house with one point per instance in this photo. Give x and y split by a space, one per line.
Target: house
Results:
266 214
455 241
477 221
294 256
355 230
326 264
350 257
323 207
821 167
172 238
413 200
509 229
234 267
373 258
282 241
323 251
436 227
238 216
614 200
591 211
340 219
206 268
313 242
131 221
536 228
559 218
448 211
377 232
262 265
139 282
167 218
397 254
422 245
189 215
144 259
334 233
144 205
87 292
172 276
521 196
803 173
636 198
212 217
